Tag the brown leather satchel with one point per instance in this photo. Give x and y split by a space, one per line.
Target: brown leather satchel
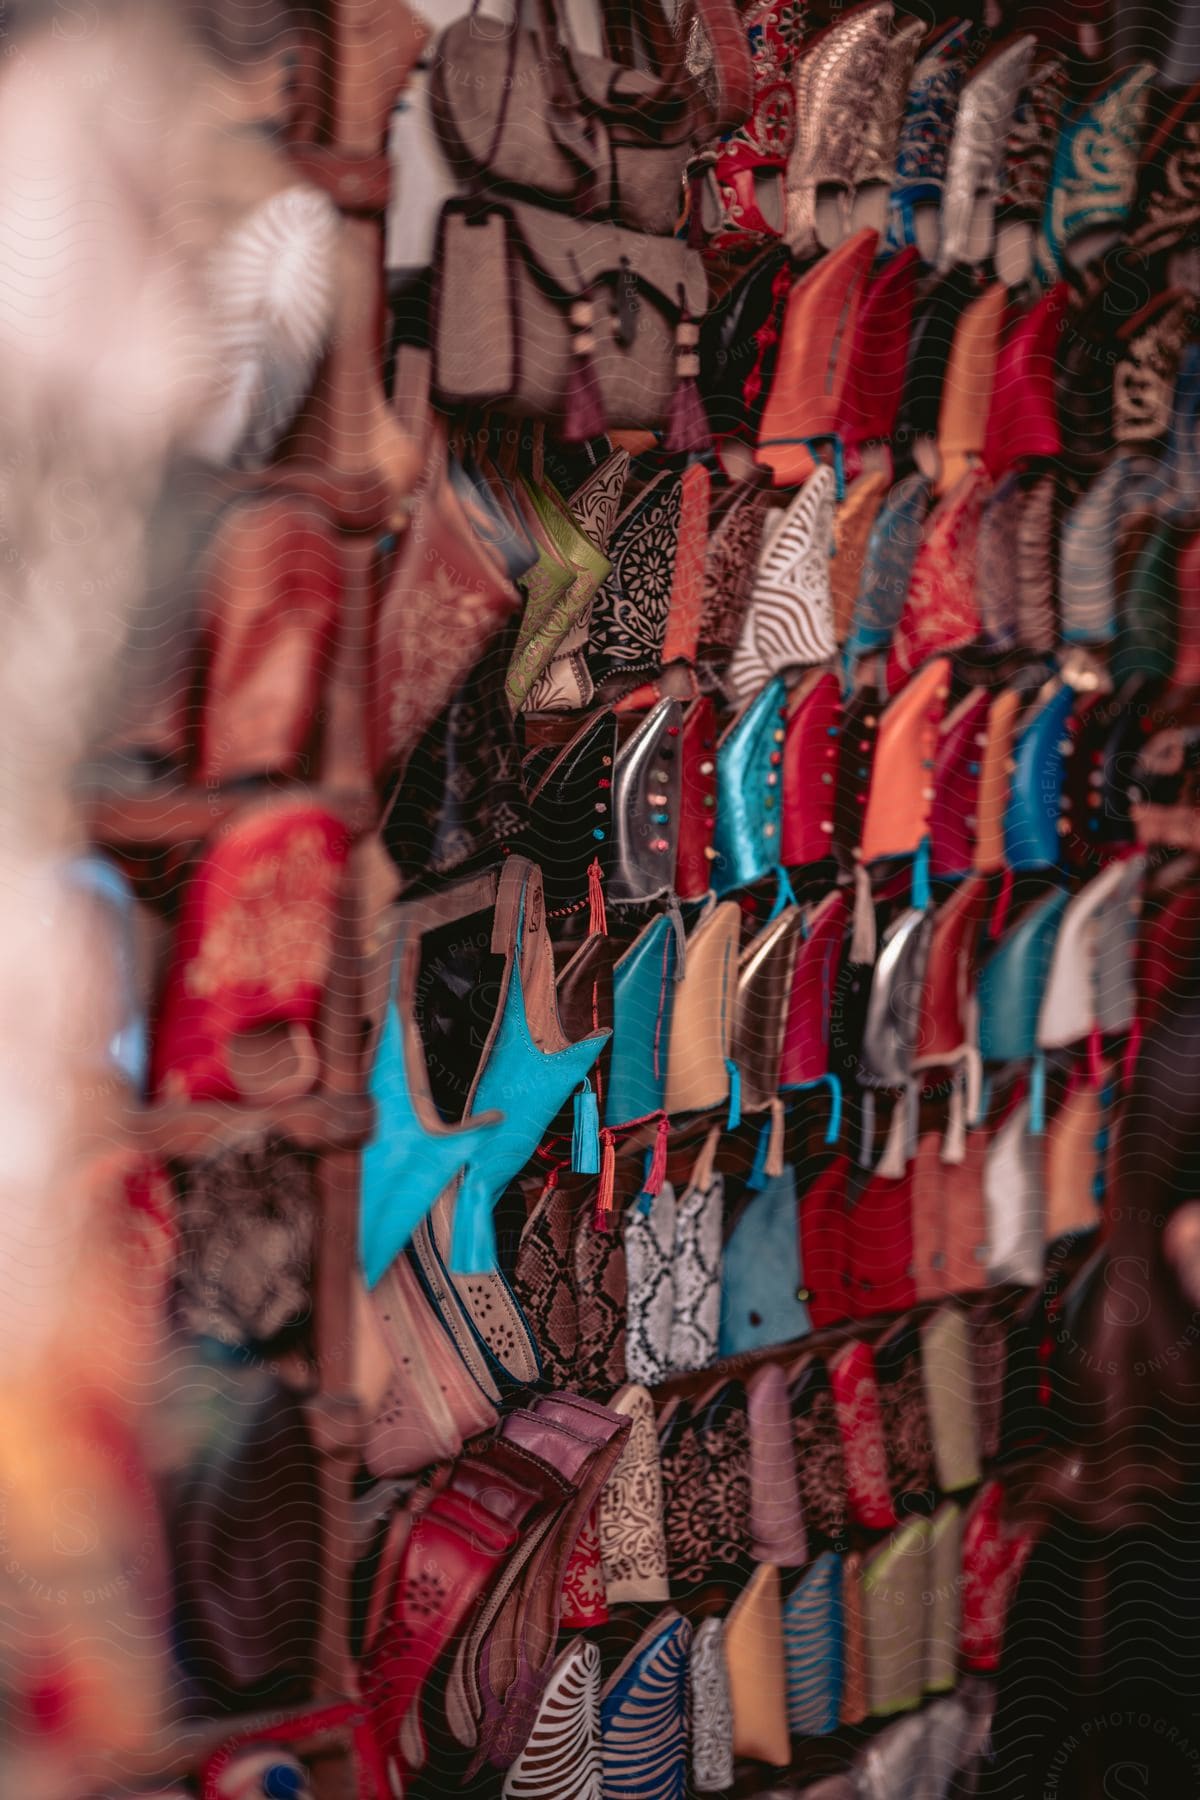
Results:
559 317
528 111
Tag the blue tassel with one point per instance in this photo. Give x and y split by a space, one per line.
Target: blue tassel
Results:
1037 1096
921 895
785 894
585 1139
834 1129
757 1179
735 1095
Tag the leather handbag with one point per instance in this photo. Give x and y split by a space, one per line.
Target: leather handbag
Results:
812 1638
761 1276
633 1550
763 996
699 1221
946 1360
1031 818
643 1715
825 1245
647 780
820 1463
630 612
650 1273
860 1421
806 1035
776 1520
906 1428
568 320
644 981
898 805
529 111
892 1585
1013 980
712 1710
749 760
757 1679
699 1070
809 761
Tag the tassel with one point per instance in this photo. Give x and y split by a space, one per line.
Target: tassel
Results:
585 1140
833 1130
584 412
921 895
894 1160
656 1169
785 893
862 939
1037 1095
608 1181
866 1136
775 1142
735 1095
687 421
1002 900
597 917
954 1143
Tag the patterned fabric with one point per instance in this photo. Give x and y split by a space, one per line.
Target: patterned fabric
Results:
1145 377
699 1216
1029 149
600 1286
650 1267
566 683
729 567
887 567
561 1761
996 563
812 1637
764 143
644 1720
985 115
1095 163
852 531
712 1711
820 1464
1036 617
941 610
926 132
836 84
790 619
247 1223
1168 200
860 1422
542 1284
633 1549
687 1513
584 1597
629 613
906 1429
724 1433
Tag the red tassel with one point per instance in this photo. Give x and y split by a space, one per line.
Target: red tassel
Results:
597 917
608 1181
656 1173
584 415
687 421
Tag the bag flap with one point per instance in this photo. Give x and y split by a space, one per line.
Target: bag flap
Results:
572 256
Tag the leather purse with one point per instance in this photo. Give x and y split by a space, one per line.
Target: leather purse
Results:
699 1222
776 1519
943 1029
711 1710
564 1745
734 542
852 527
749 760
809 761
941 610
643 1715
528 110
887 566
820 1463
892 1584
699 1069
898 805
565 683
687 1506
993 1556
761 1002
860 1421
697 800
806 1048
907 1433
1013 980
1031 818
950 1231
601 1287
957 770
542 1279
789 621
647 779
944 1569
812 1641
530 306
761 1276
570 800
1089 990
825 1245
946 1361
723 1434
552 615
633 1551
876 378
757 1681
1014 1190
650 1274
892 1026
880 1273
644 982
630 611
